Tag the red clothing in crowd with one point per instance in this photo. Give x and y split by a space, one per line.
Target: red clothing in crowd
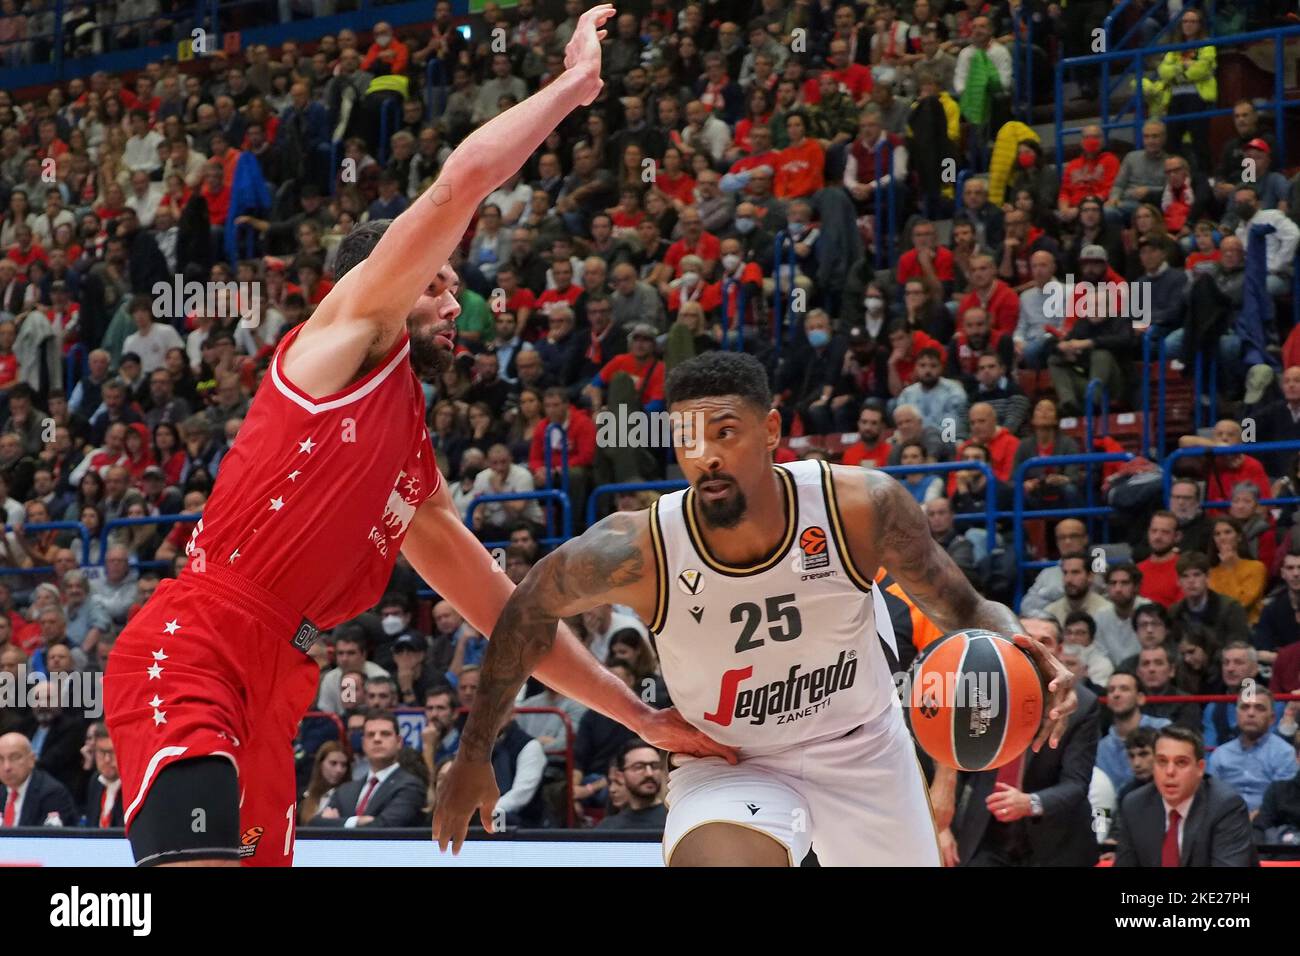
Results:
1002 456
910 268
907 366
708 296
654 392
859 451
582 442
1223 479
709 248
568 295
1160 580
1003 306
35 253
800 170
1084 177
855 78
396 65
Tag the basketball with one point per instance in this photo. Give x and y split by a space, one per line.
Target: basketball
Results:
975 700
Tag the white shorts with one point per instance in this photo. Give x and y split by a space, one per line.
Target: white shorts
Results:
858 800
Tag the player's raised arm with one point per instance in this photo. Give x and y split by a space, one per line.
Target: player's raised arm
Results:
898 534
383 289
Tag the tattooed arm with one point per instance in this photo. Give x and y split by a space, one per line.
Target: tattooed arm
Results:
896 534
606 565
610 564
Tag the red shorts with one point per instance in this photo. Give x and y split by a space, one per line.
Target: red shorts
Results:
208 668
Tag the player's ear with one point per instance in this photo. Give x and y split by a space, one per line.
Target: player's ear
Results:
773 423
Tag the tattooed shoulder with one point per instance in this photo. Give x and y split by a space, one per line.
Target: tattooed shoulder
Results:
610 555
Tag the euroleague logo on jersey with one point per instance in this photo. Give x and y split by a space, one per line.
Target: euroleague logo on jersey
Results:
798 696
813 554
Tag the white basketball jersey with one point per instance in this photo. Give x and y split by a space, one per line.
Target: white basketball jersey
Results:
780 653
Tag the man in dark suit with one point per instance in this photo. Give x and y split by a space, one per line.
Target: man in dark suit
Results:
388 796
1183 818
1033 811
30 797
59 736
104 791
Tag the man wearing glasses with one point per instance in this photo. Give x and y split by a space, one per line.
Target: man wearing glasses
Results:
642 769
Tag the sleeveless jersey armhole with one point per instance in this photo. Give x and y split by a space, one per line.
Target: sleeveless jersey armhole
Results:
860 580
660 615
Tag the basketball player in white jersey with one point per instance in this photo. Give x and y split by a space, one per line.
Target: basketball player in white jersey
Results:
757 582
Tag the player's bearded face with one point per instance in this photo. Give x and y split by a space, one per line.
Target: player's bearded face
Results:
431 326
721 502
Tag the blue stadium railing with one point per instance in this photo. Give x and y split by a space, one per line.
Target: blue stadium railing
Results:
212 16
1250 448
1277 104
1019 515
602 492
550 495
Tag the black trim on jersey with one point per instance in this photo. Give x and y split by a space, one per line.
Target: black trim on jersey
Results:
660 615
860 580
764 563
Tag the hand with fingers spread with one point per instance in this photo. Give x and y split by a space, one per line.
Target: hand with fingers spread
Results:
1062 700
668 730
470 785
582 55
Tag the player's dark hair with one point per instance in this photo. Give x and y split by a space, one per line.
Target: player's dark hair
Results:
358 244
718 373
1175 732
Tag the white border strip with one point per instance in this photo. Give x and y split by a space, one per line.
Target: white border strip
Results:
315 408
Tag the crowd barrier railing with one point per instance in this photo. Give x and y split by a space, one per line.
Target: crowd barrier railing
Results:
1019 515
989 514
602 492
1250 448
549 495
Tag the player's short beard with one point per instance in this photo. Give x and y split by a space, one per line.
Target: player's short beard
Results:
429 358
726 512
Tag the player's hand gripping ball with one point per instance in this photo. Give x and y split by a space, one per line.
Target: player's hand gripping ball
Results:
975 700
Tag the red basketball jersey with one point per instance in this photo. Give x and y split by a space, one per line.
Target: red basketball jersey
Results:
315 497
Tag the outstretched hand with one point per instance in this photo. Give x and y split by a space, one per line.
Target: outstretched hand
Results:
583 52
1060 686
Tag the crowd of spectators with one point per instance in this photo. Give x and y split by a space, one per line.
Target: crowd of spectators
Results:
642 231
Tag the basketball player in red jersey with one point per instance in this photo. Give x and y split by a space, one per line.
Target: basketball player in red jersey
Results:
332 475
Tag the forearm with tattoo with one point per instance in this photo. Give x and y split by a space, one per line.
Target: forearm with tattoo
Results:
909 552
578 576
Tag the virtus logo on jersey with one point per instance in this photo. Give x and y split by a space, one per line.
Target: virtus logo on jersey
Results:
799 695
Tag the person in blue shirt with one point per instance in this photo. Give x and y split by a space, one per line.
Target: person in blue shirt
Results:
1239 664
1124 698
1257 757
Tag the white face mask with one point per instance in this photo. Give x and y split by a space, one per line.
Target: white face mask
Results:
384 39
873 303
689 279
392 624
730 261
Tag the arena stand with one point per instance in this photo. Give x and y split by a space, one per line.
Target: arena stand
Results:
238 142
